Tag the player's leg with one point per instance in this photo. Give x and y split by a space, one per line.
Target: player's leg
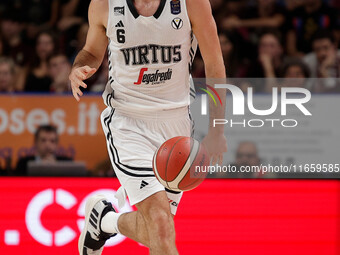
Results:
152 225
159 224
130 224
101 223
133 224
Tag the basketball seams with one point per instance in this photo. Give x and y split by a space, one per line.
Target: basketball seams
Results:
182 167
191 184
167 161
155 168
187 165
169 153
199 179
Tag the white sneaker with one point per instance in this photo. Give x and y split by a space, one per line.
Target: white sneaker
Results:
92 239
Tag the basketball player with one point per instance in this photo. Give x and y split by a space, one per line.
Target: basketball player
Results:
151 44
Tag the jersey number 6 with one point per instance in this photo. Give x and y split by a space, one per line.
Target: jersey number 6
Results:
121 35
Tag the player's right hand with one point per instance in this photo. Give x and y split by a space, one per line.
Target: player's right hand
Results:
77 76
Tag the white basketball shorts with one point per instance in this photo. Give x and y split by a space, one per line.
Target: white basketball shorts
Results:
132 139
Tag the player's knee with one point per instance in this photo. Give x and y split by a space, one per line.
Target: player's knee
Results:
162 222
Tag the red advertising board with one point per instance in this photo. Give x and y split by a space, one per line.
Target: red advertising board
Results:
44 215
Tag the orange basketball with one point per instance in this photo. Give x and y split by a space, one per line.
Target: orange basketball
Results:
178 163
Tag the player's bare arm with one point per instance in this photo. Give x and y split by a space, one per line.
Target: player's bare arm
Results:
91 56
204 28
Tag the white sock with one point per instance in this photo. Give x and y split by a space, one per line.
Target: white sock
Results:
109 222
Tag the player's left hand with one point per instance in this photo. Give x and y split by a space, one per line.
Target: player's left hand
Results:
216 145
77 76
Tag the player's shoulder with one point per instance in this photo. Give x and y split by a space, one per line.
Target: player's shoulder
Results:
198 8
98 11
100 2
196 3
99 5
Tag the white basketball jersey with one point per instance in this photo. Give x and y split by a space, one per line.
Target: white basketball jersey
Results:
149 57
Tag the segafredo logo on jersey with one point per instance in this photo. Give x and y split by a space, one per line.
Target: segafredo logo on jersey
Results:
238 106
153 78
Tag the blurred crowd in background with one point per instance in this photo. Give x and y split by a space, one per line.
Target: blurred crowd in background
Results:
39 40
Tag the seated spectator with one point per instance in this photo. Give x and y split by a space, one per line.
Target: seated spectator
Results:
46 145
41 15
270 57
305 21
251 22
12 27
220 10
73 15
37 77
295 73
247 156
7 74
294 68
59 71
232 59
80 40
324 61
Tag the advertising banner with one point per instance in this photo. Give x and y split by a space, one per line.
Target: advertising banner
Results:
81 135
42 216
